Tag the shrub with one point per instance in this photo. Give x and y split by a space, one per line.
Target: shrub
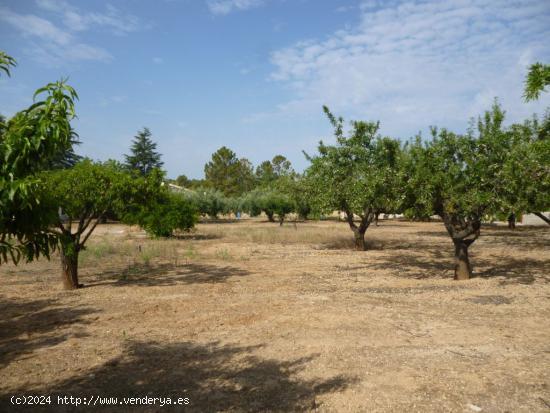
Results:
163 218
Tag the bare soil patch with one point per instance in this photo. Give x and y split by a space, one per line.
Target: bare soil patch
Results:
247 316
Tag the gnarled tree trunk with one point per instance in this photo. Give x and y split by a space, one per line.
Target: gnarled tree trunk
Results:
463 232
69 264
359 230
270 216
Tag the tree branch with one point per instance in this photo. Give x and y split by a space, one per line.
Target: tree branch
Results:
81 244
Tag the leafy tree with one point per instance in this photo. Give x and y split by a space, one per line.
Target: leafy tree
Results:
295 187
183 181
144 157
278 202
208 201
228 174
359 176
462 178
281 166
169 213
268 201
29 142
269 171
528 168
537 79
265 174
83 194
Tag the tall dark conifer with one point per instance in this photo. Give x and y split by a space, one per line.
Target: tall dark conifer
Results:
143 157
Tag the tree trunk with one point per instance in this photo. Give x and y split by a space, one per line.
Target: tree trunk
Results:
270 216
69 265
543 217
463 269
281 220
512 221
359 239
463 232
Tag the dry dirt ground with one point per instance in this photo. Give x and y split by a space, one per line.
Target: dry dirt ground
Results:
247 316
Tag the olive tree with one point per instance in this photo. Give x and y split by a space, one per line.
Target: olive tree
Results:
360 175
208 201
269 201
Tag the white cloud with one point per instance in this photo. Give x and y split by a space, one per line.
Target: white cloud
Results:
227 6
415 63
31 25
78 20
50 44
53 44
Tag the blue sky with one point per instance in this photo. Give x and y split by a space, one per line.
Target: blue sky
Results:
253 74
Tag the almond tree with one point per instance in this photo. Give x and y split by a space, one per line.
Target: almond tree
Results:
528 167
359 176
463 179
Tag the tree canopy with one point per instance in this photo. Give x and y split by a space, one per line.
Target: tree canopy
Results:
229 174
360 175
143 157
467 178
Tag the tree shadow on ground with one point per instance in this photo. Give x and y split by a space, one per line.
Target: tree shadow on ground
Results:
26 326
213 377
372 244
220 220
521 236
196 237
440 264
516 270
169 274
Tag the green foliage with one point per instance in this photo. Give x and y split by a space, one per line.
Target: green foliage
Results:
466 176
144 157
208 201
87 191
183 181
269 201
537 79
228 174
360 175
270 171
295 187
175 212
527 167
29 142
6 62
